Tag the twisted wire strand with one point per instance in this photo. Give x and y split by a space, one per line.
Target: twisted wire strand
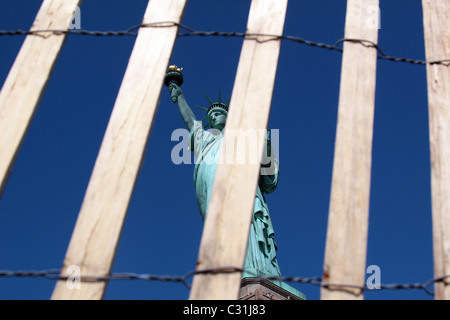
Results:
189 32
55 274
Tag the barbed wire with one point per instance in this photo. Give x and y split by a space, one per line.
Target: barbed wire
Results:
189 32
55 274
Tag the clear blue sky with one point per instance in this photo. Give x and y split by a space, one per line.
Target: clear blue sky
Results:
162 231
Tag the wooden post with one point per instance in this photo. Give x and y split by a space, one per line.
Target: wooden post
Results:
226 230
97 231
436 21
28 77
346 244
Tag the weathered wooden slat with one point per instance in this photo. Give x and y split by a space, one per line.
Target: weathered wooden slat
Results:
28 77
97 231
436 21
226 230
346 244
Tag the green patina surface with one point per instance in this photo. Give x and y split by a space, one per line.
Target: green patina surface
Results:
261 258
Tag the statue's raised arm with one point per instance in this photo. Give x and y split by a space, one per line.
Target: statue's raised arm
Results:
186 112
173 80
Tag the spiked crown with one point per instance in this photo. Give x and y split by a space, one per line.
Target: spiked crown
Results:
213 105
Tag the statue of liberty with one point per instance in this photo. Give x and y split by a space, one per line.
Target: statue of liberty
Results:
261 259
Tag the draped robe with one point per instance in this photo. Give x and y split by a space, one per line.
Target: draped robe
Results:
261 257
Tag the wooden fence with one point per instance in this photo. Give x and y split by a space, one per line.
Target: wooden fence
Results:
99 224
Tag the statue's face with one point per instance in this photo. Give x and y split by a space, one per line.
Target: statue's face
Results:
218 119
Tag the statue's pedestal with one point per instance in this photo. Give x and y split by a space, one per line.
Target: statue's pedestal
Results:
258 289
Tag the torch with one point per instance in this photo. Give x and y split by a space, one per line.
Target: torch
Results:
173 75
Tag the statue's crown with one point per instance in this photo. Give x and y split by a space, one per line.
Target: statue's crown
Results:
216 105
213 106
